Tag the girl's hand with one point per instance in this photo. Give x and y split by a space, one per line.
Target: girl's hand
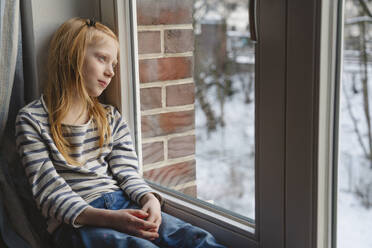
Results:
132 222
129 221
151 205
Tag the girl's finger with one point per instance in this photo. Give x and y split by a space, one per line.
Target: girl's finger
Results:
157 223
138 213
147 234
153 230
151 218
146 225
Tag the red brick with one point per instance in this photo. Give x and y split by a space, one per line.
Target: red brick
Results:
177 95
167 123
181 146
149 42
178 40
163 69
164 12
172 175
152 152
150 98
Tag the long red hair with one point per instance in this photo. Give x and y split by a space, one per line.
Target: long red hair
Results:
65 78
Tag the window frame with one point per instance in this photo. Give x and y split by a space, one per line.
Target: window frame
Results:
293 103
330 74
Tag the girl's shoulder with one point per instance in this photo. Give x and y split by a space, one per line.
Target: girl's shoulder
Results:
32 115
34 110
112 111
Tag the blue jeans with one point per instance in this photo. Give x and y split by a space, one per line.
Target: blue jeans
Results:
173 232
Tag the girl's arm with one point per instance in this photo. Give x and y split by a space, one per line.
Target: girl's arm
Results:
52 194
124 164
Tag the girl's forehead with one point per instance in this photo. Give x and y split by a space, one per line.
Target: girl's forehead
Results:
105 41
108 48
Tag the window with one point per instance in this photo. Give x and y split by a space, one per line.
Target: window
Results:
354 189
294 125
198 118
286 122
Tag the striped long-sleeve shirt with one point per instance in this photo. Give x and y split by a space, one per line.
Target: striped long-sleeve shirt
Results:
62 191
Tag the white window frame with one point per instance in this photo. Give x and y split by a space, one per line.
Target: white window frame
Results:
299 107
330 72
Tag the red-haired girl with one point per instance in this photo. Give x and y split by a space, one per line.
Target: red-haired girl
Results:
79 157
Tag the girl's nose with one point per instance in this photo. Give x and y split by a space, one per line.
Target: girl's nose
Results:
110 71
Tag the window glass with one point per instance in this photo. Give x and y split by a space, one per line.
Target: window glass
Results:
196 64
354 203
224 108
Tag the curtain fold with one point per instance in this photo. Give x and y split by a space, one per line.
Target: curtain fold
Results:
9 27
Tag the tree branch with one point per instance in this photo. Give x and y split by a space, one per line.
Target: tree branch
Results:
365 7
364 65
355 124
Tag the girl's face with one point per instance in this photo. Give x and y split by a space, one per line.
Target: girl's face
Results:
99 63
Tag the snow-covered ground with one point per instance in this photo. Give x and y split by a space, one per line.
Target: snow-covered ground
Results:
354 222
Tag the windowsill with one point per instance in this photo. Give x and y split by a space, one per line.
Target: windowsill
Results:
188 209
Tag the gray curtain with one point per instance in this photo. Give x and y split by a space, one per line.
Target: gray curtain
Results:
9 24
15 227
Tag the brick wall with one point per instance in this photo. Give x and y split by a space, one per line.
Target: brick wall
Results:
165 47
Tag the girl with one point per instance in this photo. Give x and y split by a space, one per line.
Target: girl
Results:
79 157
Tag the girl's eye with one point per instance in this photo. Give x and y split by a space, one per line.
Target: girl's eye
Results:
102 58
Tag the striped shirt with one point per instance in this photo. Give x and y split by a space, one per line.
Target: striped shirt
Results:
61 190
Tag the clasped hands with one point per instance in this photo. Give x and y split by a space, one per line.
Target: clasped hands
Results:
143 223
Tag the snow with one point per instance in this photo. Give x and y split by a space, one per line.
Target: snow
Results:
241 59
354 222
239 19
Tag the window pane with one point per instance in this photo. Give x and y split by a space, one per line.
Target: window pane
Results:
224 108
354 216
197 100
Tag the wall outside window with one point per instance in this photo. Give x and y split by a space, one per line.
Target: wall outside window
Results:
165 48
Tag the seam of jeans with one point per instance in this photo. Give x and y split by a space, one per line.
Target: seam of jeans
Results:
108 202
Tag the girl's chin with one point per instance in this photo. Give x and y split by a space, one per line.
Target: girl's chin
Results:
95 93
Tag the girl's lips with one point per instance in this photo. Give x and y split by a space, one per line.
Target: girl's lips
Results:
102 83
